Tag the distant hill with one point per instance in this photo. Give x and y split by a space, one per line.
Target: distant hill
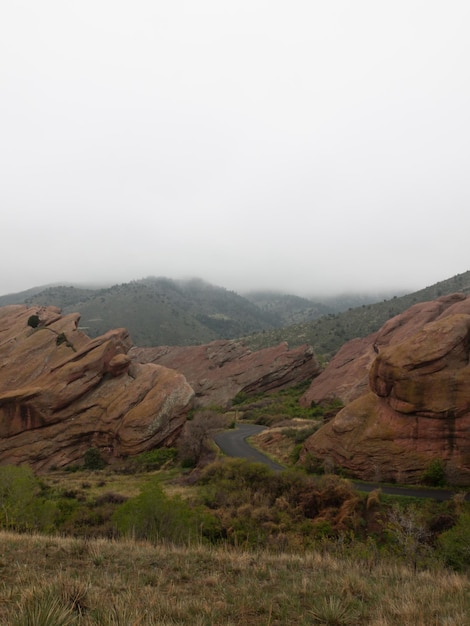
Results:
328 333
288 309
162 311
291 309
22 296
157 311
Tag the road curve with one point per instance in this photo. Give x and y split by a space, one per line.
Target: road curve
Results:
233 443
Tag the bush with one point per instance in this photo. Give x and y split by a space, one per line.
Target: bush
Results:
275 407
257 506
154 516
93 460
155 459
61 338
195 441
454 544
435 474
33 321
299 435
22 502
295 454
240 398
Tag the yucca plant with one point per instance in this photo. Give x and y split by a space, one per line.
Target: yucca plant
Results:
44 609
335 611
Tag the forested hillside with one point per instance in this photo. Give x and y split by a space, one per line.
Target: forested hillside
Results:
161 311
329 332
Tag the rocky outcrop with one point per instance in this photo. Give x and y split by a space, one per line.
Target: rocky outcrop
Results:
219 370
415 407
62 392
347 375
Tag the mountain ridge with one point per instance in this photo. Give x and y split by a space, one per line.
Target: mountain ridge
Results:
329 332
163 311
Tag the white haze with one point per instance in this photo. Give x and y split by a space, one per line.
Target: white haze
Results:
314 147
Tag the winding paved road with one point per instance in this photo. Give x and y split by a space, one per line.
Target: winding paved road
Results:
233 443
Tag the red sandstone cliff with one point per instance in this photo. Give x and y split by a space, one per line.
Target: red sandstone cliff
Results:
219 370
62 392
407 395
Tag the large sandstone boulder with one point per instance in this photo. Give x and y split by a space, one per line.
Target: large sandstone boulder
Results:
417 404
62 392
219 370
346 377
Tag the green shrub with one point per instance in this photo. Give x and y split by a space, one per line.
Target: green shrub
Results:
275 407
33 321
322 528
155 459
295 454
61 338
154 516
312 464
93 460
454 544
299 435
23 505
240 398
435 474
261 508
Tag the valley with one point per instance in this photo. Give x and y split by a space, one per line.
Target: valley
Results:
107 449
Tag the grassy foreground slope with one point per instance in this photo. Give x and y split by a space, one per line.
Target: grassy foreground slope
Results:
102 582
232 544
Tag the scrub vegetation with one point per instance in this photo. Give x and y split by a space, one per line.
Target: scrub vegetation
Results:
279 407
330 331
125 545
64 581
185 536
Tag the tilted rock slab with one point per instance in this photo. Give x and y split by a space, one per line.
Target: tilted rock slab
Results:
346 377
417 405
62 393
221 369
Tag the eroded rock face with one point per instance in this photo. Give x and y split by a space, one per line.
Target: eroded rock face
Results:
62 392
219 370
416 407
347 375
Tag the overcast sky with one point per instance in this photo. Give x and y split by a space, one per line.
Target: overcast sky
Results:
311 146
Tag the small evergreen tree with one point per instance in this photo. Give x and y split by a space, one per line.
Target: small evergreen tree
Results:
33 321
93 460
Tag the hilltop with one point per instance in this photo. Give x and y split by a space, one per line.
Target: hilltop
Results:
162 311
329 332
156 311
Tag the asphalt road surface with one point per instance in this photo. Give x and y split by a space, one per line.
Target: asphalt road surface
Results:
233 443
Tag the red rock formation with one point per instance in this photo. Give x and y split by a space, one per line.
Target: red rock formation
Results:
219 370
417 405
62 392
347 375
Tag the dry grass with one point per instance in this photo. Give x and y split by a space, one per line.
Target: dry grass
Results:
276 444
94 483
127 583
91 484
